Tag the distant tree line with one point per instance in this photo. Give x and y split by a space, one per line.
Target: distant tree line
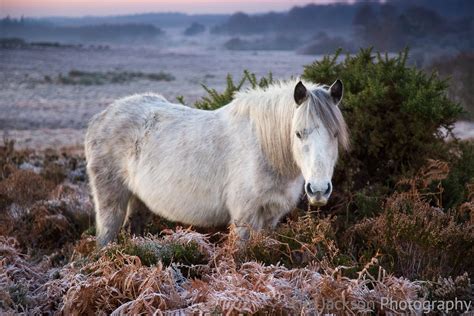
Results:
312 17
307 19
390 28
35 30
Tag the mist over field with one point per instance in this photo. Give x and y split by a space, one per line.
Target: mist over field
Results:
202 49
400 224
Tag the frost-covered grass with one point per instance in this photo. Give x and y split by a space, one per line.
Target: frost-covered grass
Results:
411 250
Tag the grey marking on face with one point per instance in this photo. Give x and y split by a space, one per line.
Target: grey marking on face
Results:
307 131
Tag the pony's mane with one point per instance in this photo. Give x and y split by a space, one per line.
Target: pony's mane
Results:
271 110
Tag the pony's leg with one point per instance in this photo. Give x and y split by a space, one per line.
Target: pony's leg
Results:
266 217
248 220
137 215
273 214
111 198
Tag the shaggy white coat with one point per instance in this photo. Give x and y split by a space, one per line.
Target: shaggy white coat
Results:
239 164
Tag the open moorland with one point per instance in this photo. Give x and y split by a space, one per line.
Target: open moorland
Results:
400 227
47 95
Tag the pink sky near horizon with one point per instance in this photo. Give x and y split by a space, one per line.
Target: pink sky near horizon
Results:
39 8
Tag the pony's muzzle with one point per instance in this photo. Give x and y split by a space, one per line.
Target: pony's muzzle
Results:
318 195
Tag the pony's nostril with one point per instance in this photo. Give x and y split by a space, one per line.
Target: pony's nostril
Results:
308 189
328 190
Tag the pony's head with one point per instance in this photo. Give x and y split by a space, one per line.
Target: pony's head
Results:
318 129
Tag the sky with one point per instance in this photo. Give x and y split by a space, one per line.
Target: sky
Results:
41 8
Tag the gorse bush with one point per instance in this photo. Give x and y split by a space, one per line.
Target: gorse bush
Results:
395 114
215 99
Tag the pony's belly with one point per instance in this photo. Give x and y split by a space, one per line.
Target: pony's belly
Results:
200 208
196 214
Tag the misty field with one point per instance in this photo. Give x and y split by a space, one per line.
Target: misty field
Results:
49 112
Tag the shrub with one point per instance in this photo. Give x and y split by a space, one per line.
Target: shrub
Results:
48 225
215 100
25 187
395 114
296 243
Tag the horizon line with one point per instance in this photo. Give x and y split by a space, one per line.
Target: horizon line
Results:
178 11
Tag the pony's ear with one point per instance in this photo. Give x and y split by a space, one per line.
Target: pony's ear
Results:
300 94
336 91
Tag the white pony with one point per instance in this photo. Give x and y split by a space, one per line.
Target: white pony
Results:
244 163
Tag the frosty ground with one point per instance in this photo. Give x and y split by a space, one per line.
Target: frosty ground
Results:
38 114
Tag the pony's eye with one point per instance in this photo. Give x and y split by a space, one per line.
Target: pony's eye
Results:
298 134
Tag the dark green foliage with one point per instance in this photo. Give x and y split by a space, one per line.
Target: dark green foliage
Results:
151 252
368 202
215 100
180 99
394 113
90 231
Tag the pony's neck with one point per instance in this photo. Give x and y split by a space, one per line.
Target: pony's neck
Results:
270 112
